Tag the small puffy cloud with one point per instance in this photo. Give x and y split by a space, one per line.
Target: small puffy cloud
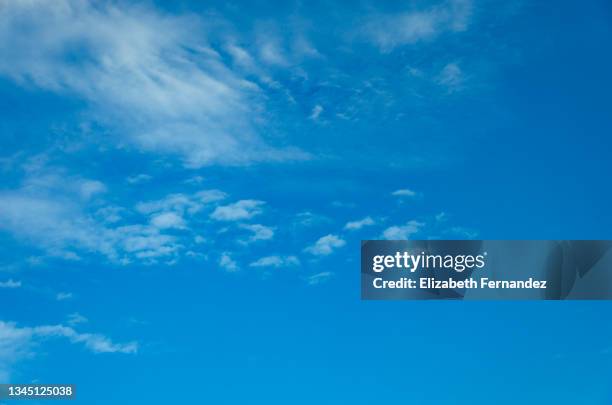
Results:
168 220
138 178
63 296
10 283
356 225
276 261
89 188
260 232
243 209
325 245
403 231
208 196
319 278
404 192
227 263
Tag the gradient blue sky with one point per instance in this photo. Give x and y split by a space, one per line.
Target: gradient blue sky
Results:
185 185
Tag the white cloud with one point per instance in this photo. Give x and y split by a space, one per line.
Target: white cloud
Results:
356 225
171 202
89 188
319 278
138 178
307 218
316 112
270 49
195 180
144 242
76 318
451 77
14 346
168 220
109 214
10 283
403 231
325 245
207 196
404 192
241 57
441 217
18 343
276 261
260 232
243 209
149 76
63 296
393 30
227 263
95 342
63 227
181 203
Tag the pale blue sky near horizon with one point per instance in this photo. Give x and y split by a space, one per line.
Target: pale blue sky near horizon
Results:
184 187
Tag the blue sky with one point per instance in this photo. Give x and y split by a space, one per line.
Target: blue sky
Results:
185 185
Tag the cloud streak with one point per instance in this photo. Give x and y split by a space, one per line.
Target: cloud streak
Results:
388 31
150 76
18 343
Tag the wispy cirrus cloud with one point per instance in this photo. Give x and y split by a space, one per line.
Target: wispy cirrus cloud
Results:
319 278
150 76
388 31
19 342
